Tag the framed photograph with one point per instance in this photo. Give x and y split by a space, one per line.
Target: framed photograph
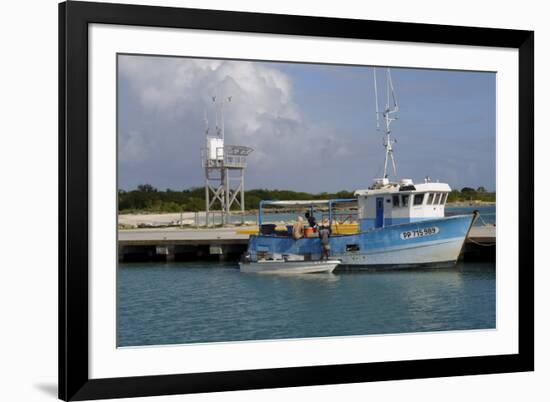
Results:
258 200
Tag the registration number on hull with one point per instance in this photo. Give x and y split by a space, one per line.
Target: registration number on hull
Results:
411 234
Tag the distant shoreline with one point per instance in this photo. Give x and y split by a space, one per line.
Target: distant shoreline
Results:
146 219
470 203
188 214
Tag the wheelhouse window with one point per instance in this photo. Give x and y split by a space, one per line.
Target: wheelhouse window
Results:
395 200
418 199
405 200
443 198
430 198
437 198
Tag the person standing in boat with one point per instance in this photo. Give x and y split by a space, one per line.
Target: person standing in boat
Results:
324 235
311 220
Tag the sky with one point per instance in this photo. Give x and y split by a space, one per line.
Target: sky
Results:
312 126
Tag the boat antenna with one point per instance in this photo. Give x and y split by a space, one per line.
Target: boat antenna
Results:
218 130
228 100
206 127
391 108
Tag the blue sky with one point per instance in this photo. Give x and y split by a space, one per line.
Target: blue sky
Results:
313 127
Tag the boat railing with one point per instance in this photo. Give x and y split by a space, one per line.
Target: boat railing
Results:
309 204
341 218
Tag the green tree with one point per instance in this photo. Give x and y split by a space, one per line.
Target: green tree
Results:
146 188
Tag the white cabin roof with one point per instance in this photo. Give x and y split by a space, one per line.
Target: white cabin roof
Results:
307 202
295 202
410 187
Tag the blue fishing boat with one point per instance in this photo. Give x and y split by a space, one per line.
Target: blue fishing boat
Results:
399 223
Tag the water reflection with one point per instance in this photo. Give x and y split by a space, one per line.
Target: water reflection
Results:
321 277
206 302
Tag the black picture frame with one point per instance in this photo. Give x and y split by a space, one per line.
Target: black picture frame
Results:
74 18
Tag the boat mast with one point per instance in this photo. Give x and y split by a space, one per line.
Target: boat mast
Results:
391 108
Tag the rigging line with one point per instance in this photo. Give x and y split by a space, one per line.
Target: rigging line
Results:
394 97
376 101
393 163
481 244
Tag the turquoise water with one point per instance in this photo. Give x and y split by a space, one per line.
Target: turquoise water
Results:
487 213
171 303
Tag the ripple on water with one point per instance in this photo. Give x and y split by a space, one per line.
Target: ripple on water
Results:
205 302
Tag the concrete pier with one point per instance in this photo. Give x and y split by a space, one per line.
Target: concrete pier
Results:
480 244
169 244
173 244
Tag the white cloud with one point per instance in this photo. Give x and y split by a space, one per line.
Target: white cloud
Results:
329 145
134 146
172 94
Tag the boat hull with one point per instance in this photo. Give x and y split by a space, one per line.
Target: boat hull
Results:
294 267
430 243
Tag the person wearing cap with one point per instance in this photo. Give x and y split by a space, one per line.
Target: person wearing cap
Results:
311 220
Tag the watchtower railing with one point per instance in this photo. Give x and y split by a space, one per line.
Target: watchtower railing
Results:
230 156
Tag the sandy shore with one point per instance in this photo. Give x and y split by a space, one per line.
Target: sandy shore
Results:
144 220
191 219
166 219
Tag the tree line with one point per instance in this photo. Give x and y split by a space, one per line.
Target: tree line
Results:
146 198
470 194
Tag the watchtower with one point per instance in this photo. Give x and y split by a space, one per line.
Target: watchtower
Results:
224 167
